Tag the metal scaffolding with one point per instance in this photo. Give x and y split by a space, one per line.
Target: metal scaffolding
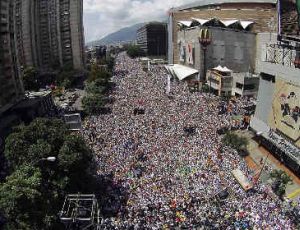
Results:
80 211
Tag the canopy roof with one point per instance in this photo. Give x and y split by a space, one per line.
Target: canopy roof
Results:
203 3
229 22
226 23
185 23
200 21
180 71
222 69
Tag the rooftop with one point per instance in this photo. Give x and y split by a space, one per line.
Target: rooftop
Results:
219 2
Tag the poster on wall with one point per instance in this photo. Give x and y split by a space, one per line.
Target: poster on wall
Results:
289 11
182 52
286 109
189 56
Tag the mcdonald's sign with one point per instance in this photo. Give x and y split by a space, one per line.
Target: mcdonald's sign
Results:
205 37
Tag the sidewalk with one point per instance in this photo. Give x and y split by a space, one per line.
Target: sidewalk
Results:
259 152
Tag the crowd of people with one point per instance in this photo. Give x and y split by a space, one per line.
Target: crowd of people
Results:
173 178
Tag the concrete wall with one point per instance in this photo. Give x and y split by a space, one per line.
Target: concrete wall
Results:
261 13
233 49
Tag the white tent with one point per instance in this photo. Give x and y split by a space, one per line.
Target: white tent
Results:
200 21
245 24
180 71
222 69
185 23
228 22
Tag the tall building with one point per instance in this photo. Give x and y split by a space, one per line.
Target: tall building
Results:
11 88
49 33
152 38
45 34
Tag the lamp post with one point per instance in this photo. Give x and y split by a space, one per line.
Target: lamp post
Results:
50 159
205 39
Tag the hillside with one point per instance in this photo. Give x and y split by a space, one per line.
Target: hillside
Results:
124 34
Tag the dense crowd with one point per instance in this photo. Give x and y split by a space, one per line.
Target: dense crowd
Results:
172 178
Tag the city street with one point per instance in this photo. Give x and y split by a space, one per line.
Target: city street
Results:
163 155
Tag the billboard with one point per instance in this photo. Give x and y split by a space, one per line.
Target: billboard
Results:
289 13
286 109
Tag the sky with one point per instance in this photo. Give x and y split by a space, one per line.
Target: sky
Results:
102 17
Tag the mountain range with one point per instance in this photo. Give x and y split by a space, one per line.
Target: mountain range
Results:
122 35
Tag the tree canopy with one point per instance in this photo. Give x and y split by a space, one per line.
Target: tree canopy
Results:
31 79
135 51
281 180
97 86
235 141
32 195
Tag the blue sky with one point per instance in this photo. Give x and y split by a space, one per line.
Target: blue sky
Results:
102 17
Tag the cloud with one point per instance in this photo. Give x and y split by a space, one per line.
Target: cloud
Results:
102 17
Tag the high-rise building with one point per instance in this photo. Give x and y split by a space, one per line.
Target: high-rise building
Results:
152 38
45 34
49 33
11 88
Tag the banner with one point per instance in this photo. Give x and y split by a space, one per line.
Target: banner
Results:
189 51
286 109
168 89
182 52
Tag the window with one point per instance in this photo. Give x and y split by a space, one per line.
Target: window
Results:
249 87
239 85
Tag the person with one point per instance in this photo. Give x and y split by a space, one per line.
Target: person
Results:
157 176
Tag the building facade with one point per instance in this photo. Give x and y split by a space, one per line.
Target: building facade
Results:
11 88
228 47
152 38
49 33
262 13
229 83
44 34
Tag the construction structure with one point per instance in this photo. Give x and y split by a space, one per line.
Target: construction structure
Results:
80 211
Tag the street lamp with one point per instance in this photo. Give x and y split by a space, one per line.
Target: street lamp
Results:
50 159
205 39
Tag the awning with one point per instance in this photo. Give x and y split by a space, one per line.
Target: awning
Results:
185 23
222 69
245 24
180 71
200 21
228 22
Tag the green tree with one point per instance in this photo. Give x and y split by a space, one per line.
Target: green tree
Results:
31 79
18 197
281 180
92 103
233 140
72 171
97 86
97 73
135 51
37 137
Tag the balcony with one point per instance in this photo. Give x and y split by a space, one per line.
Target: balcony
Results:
285 55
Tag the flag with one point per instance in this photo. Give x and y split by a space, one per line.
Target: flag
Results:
168 89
